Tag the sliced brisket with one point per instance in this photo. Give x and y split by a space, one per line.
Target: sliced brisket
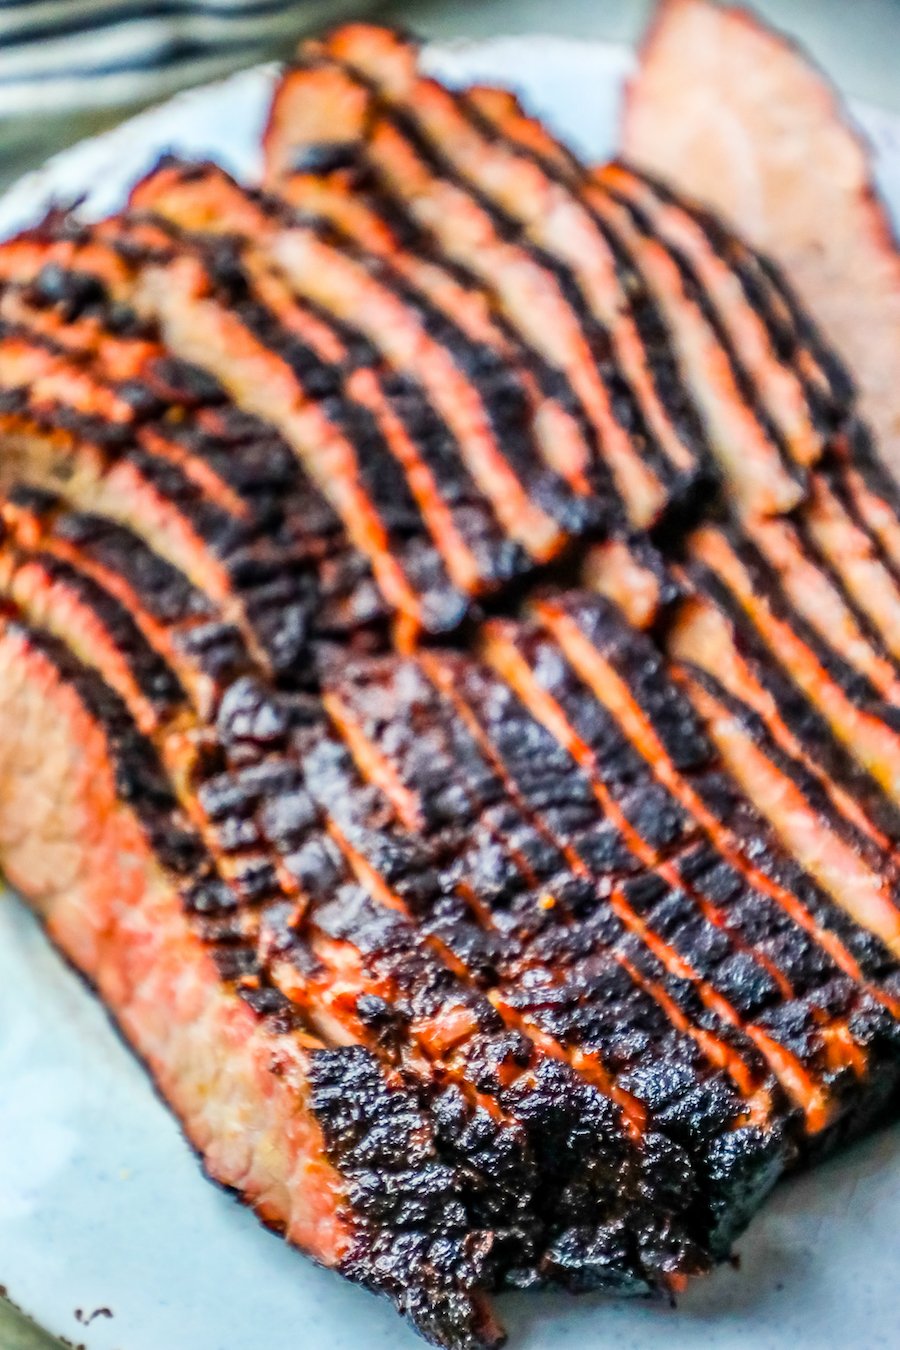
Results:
449 651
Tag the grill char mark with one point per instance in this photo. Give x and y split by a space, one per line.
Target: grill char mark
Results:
709 993
469 231
709 631
516 190
857 715
483 403
515 911
835 522
138 672
534 861
792 339
386 1202
829 600
624 673
756 470
222 495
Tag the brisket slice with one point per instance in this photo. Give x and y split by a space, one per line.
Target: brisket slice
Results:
304 935
483 402
550 215
856 710
801 188
331 1151
531 289
289 930
679 319
226 496
769 352
315 412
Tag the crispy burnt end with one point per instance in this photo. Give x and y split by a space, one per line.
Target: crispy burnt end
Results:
431 1181
488 1055
131 903
550 971
392 953
402 864
418 1245
265 805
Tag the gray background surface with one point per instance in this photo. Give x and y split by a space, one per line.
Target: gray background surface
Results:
856 41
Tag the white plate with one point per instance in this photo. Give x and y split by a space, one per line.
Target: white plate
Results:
102 1206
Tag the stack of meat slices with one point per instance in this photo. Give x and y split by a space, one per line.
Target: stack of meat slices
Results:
450 640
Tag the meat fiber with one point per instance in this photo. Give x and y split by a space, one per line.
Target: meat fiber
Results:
461 599
736 116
